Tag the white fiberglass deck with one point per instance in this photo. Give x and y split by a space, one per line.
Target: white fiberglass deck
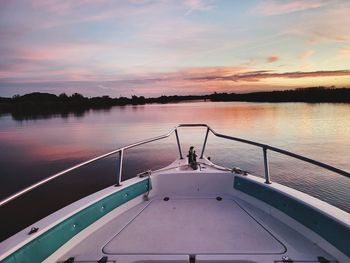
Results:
193 226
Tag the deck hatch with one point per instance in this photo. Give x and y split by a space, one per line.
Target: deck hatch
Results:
193 226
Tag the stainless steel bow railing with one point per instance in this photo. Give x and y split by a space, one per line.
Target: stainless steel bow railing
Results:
121 150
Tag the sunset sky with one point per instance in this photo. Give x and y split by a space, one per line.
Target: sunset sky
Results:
151 48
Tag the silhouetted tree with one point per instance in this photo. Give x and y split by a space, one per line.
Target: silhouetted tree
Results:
37 104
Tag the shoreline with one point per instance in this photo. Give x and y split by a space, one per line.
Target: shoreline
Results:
46 104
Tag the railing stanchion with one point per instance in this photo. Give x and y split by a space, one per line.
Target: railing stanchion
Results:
266 166
205 143
178 144
121 156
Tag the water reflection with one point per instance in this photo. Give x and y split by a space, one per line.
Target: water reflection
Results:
34 148
38 115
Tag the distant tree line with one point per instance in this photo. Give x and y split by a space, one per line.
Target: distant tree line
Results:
45 104
310 95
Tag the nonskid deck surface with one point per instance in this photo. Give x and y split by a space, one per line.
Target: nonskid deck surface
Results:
195 225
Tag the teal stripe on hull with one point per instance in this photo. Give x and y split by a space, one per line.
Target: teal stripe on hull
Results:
328 228
47 243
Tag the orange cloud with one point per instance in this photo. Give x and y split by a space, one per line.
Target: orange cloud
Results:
343 52
264 74
272 58
204 80
306 54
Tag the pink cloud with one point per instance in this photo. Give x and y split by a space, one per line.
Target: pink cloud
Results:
273 7
43 62
57 6
62 52
272 58
62 13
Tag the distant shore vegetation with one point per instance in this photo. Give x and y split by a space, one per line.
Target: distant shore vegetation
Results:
46 104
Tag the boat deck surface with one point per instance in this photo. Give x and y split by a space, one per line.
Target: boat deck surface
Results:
193 226
205 226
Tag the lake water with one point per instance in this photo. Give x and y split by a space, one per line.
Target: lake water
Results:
36 148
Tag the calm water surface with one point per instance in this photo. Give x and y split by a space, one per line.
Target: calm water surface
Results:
34 149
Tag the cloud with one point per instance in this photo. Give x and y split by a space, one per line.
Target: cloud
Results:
346 50
153 45
61 7
307 54
329 26
104 87
305 60
62 51
272 58
264 74
273 7
343 53
186 81
197 5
